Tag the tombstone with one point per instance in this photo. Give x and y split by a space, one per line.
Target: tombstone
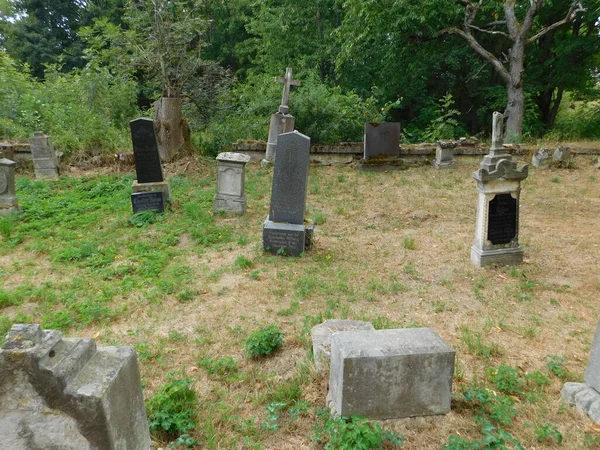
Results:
45 160
381 147
321 338
7 151
444 155
231 176
561 155
390 374
282 121
149 175
597 165
67 393
541 159
8 197
499 187
285 231
586 395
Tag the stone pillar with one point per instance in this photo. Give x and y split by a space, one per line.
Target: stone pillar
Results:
499 188
280 123
231 176
444 155
45 162
8 196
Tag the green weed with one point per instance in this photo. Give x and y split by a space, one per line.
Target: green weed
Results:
264 342
408 243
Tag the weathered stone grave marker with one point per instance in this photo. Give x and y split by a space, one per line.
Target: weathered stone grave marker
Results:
67 393
388 374
231 177
45 160
285 230
381 147
8 197
444 155
147 167
499 188
541 159
282 121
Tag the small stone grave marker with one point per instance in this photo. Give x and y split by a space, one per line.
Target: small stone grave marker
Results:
231 176
147 201
444 155
541 159
8 197
45 161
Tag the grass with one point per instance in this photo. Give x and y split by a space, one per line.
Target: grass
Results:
189 289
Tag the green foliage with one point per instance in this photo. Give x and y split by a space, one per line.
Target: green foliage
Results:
556 365
498 407
173 409
548 432
444 124
220 367
493 438
143 218
507 379
351 433
264 341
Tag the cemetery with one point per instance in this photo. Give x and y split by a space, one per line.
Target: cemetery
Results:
218 236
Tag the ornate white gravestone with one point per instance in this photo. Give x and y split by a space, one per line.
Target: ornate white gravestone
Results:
8 196
231 176
499 188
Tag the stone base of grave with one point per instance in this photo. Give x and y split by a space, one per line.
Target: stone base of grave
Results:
229 205
45 174
8 210
321 338
159 186
381 164
68 393
501 257
286 238
444 164
584 397
388 374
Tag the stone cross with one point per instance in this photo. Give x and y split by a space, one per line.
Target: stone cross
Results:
497 131
287 82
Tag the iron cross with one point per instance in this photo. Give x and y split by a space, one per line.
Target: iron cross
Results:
287 82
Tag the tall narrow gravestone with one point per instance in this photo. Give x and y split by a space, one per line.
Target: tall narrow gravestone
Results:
45 162
282 121
150 189
499 187
8 196
285 231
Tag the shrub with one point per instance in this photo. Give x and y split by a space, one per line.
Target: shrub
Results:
264 342
173 408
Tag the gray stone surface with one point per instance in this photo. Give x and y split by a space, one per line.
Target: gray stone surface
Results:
388 374
68 394
561 154
145 151
287 238
8 196
231 176
592 373
45 161
584 397
444 155
290 178
381 139
321 338
541 159
280 123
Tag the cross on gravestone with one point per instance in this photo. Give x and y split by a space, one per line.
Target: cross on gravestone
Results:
287 82
145 151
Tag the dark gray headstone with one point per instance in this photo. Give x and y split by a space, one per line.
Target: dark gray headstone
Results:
288 197
502 222
143 201
382 139
145 151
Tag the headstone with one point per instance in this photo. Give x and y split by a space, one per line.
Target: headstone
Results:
8 197
381 139
499 187
147 160
282 121
45 161
7 151
561 154
284 230
231 176
147 201
389 374
321 338
541 159
444 155
66 393
586 396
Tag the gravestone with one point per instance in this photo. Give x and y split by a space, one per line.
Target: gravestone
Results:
499 187
45 160
148 201
231 176
8 197
282 121
149 175
444 155
561 155
67 393
7 151
586 396
382 147
285 229
389 374
541 159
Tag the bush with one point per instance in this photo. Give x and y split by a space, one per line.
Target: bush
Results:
264 342
173 408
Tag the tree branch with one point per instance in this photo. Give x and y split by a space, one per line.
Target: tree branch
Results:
483 30
529 15
511 19
575 8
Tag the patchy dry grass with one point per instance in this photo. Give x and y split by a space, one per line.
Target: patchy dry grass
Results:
392 248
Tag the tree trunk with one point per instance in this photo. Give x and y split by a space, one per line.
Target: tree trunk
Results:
515 106
172 129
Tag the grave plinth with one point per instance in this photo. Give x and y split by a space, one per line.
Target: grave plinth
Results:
285 230
382 147
231 176
444 155
45 161
8 197
499 188
389 374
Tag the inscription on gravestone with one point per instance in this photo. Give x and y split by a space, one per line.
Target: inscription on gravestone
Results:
143 201
502 222
145 151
